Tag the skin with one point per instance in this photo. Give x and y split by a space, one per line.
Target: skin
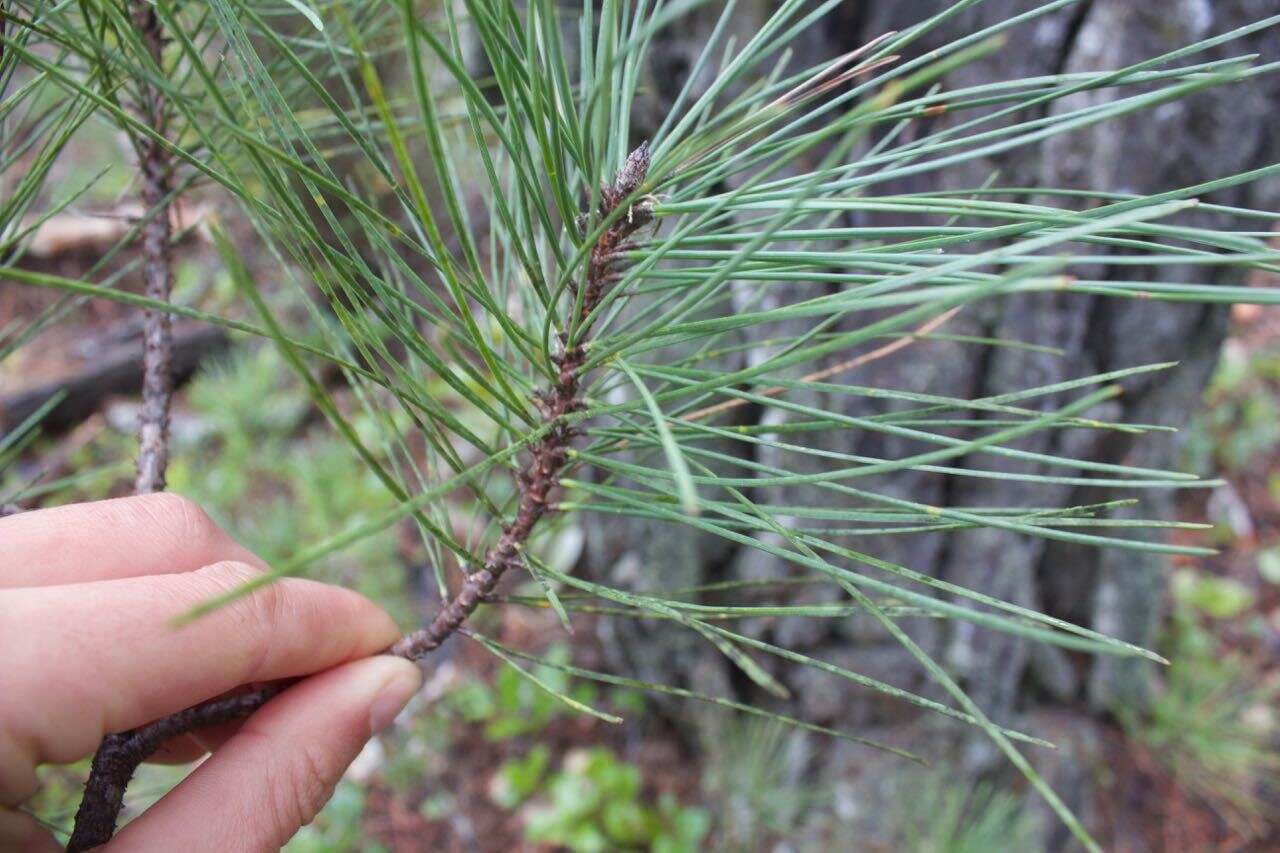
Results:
87 595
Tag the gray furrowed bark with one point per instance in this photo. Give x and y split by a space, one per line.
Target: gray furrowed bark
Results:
1206 136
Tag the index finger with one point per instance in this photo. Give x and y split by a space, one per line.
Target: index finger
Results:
152 534
86 659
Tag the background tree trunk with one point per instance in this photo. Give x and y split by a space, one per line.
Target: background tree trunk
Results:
1207 136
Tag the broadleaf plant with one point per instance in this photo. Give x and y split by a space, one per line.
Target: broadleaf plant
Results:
545 315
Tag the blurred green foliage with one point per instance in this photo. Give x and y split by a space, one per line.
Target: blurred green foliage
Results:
1214 722
337 828
937 816
520 778
595 803
513 706
749 782
281 483
245 447
1269 565
1240 420
1216 597
58 795
522 708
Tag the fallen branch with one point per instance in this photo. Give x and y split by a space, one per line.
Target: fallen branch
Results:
116 373
97 232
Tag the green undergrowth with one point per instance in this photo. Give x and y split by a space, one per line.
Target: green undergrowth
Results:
1239 424
595 803
1213 724
936 816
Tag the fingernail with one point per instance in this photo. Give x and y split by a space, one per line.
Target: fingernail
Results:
393 696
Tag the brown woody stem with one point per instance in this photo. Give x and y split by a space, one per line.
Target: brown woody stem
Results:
120 754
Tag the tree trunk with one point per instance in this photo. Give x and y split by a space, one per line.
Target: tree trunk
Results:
1207 136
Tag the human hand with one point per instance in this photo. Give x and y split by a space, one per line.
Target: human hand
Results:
87 595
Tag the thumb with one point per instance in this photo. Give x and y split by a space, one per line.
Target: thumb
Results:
281 767
20 831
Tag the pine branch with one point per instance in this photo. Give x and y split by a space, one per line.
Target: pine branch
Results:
120 754
542 473
739 163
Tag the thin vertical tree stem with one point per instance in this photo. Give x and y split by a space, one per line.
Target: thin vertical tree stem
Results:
114 761
156 168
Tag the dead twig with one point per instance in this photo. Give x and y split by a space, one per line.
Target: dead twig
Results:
110 371
95 232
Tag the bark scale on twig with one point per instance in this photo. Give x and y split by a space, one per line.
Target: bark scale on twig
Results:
120 754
